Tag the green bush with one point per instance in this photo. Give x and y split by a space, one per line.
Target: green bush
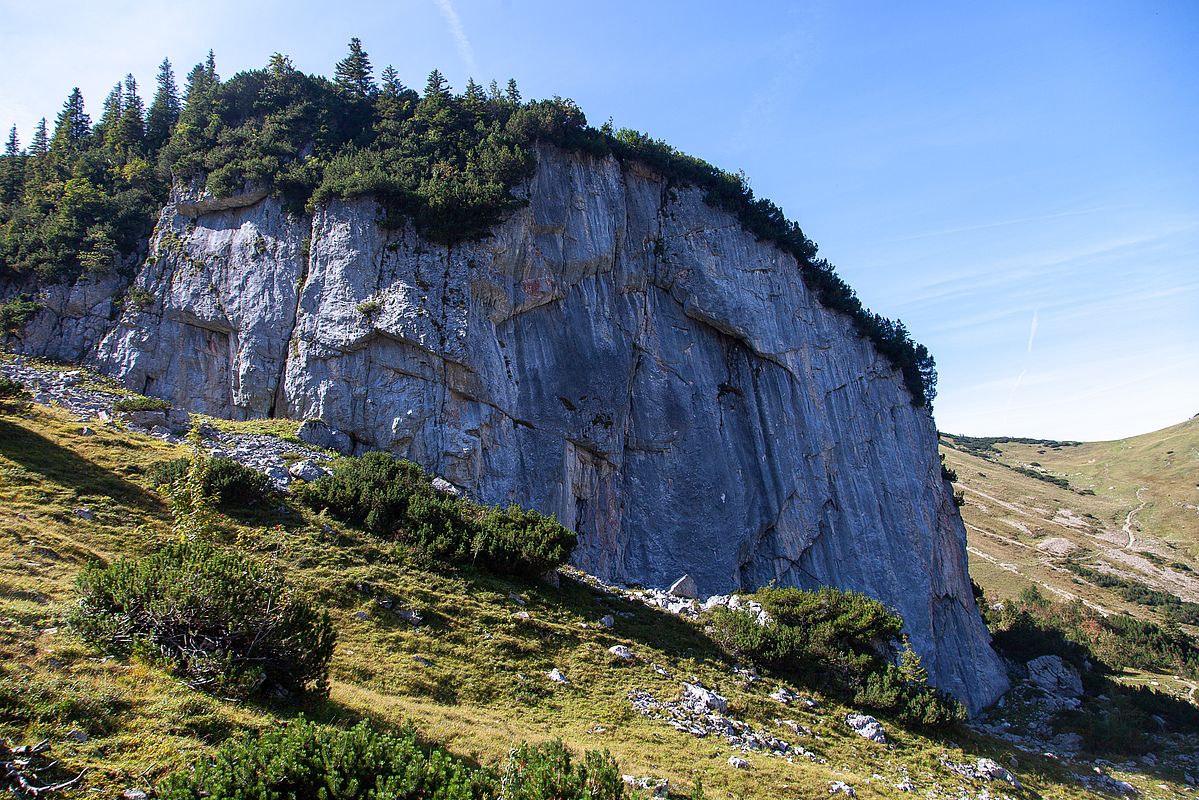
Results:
394 498
233 484
141 404
306 760
13 395
547 772
222 622
16 312
837 641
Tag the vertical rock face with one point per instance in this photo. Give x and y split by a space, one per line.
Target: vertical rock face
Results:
617 353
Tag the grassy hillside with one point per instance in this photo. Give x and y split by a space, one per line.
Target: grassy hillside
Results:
472 674
1114 524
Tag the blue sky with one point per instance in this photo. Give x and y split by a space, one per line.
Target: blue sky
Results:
1017 181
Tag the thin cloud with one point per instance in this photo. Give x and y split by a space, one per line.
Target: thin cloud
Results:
455 22
1032 329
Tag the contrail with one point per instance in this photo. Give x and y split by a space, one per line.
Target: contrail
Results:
1032 329
464 49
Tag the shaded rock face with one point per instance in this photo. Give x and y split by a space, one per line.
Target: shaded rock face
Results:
618 354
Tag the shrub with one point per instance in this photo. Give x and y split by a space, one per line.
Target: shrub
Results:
232 484
369 308
547 772
222 622
307 760
141 404
394 498
13 395
838 641
16 312
137 299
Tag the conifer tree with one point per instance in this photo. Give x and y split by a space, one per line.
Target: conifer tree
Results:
391 81
131 137
110 117
436 86
513 94
493 91
210 69
40 146
164 110
474 100
11 168
71 128
353 74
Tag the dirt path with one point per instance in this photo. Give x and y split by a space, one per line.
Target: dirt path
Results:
1128 519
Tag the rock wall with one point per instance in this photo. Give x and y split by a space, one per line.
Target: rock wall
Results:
617 353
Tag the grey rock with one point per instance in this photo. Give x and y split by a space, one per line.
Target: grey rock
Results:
657 787
87 431
445 487
319 433
424 662
624 357
134 794
76 735
699 698
685 587
307 470
621 652
738 763
144 419
1055 676
362 616
85 513
867 727
607 621
840 787
556 676
991 770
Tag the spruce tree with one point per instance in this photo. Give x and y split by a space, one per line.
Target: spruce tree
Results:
210 69
130 138
40 145
493 91
110 117
353 74
513 94
12 168
474 100
72 127
164 110
437 87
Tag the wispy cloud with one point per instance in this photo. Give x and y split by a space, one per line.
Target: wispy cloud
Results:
1032 329
464 49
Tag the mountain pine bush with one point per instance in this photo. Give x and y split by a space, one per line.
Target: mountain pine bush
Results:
219 620
231 483
394 498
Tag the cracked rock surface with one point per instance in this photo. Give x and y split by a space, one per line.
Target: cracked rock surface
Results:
617 353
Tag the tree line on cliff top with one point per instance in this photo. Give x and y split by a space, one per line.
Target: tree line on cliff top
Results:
83 198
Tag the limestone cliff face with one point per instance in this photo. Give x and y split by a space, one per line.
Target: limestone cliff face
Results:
617 353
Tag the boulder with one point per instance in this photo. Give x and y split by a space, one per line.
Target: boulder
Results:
738 763
319 433
621 652
556 676
699 699
991 770
867 727
307 470
1055 676
685 587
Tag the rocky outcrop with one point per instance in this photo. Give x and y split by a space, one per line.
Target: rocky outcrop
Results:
617 353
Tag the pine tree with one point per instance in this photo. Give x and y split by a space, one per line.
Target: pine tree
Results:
164 110
210 69
513 94
436 87
493 91
353 74
131 131
40 145
12 168
110 117
72 128
474 100
198 84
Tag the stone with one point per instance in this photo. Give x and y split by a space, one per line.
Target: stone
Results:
522 615
133 794
657 787
621 652
784 695
78 736
85 513
676 374
307 470
516 598
738 763
144 419
1055 676
840 787
87 431
319 433
556 676
991 770
445 487
424 662
867 727
362 616
607 621
701 699
685 587
552 579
